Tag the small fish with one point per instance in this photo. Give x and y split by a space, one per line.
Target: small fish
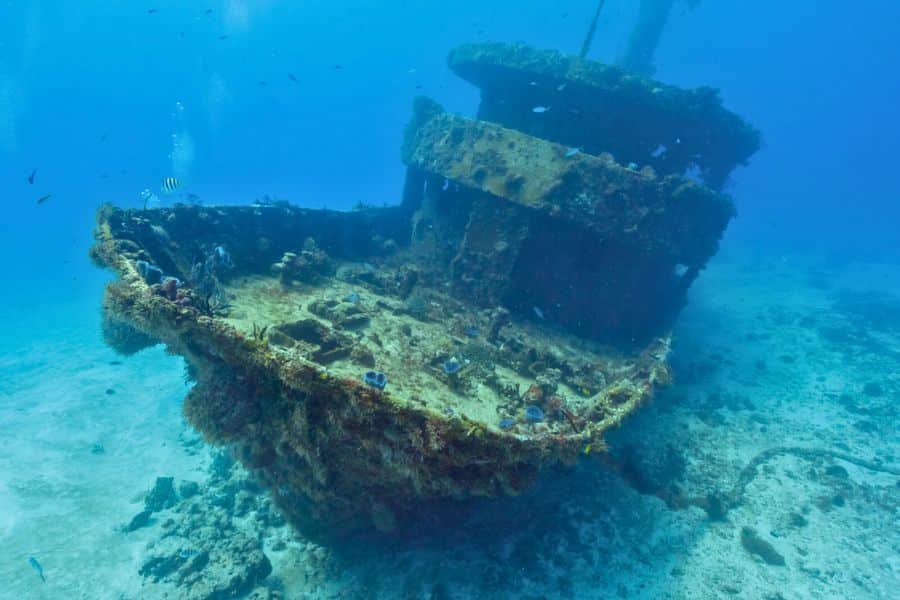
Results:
572 152
151 274
352 298
148 197
221 256
338 67
208 11
223 37
540 109
191 198
292 78
660 150
31 177
43 199
263 84
587 449
152 11
170 184
561 87
37 567
538 312
103 137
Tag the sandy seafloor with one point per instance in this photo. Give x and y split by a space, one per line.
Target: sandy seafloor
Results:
793 352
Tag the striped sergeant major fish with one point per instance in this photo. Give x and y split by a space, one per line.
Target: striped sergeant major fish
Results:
170 184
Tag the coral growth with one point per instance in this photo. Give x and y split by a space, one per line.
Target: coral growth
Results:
375 379
309 266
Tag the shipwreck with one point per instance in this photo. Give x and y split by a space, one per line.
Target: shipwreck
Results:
514 306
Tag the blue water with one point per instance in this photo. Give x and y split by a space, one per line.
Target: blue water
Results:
306 101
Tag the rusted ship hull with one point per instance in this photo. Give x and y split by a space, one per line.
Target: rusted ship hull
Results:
512 309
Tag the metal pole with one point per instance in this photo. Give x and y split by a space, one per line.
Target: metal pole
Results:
652 18
590 34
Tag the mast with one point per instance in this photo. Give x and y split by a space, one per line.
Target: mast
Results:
586 45
652 18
